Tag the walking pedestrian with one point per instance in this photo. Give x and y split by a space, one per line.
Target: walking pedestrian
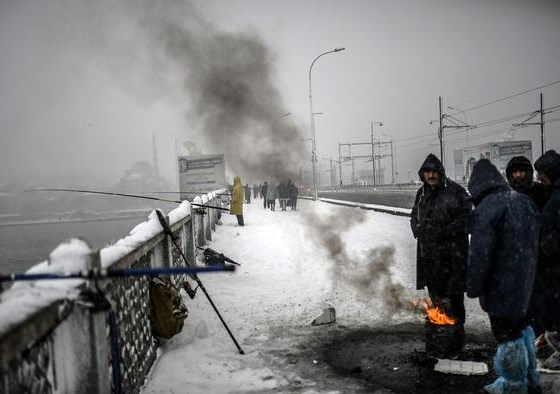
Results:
264 191
271 195
247 194
502 264
439 223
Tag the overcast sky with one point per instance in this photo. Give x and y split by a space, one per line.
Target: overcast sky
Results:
84 85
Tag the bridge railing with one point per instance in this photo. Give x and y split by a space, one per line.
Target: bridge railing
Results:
52 340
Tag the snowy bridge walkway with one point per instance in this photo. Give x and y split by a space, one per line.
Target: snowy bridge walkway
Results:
294 264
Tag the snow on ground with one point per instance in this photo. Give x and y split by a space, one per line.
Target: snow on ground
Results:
294 264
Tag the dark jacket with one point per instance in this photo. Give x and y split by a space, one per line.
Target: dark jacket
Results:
504 229
439 222
535 190
264 189
547 285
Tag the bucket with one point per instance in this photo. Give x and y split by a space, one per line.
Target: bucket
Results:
443 341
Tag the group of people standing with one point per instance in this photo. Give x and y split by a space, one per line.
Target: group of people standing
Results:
512 262
286 193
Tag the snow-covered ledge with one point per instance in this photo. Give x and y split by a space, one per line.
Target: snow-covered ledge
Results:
53 341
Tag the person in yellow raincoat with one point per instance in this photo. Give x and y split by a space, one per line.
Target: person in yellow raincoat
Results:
236 207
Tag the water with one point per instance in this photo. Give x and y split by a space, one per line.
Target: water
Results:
23 246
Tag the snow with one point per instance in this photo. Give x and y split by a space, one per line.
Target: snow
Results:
140 234
294 264
26 298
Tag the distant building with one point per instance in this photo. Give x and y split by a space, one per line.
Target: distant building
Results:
499 153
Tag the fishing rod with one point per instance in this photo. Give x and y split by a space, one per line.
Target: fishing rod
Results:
95 274
122 195
167 230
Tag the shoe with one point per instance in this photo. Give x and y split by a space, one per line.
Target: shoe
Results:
551 364
552 339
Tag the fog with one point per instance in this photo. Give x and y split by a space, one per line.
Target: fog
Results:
85 85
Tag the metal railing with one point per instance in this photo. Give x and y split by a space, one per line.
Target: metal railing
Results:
54 342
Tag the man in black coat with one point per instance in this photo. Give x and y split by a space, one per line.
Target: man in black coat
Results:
264 189
439 222
519 173
503 252
546 296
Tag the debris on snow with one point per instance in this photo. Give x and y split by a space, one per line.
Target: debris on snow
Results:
458 367
327 317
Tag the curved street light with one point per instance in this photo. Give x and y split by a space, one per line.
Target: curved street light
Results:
314 145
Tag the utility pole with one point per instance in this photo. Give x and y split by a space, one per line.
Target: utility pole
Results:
542 126
541 123
339 165
440 131
372 154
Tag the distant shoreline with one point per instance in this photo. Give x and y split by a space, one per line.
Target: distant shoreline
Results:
131 215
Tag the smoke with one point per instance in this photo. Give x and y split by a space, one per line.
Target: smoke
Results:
228 79
369 275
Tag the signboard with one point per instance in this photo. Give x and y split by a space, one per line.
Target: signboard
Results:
202 173
499 153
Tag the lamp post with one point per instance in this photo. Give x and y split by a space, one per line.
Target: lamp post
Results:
314 146
373 150
393 159
274 139
466 122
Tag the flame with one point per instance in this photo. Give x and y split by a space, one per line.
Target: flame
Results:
436 315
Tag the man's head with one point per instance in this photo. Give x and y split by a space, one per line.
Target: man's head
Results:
548 167
519 172
432 178
432 172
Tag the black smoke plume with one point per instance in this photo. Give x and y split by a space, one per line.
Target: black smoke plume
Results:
371 275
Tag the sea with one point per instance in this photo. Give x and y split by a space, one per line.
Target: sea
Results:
24 245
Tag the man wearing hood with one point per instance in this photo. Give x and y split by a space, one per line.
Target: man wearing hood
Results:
236 206
439 222
503 252
519 173
546 296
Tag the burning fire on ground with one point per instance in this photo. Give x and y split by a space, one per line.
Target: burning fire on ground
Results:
436 315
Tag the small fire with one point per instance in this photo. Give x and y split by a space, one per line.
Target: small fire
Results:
436 315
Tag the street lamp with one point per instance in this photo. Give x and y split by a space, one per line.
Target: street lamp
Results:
372 149
466 122
314 145
393 158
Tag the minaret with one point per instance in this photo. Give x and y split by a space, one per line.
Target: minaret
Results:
154 156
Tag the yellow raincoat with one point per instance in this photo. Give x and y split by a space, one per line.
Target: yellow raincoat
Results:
236 207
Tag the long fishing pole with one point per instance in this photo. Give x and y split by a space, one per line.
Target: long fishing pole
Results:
96 274
168 231
123 195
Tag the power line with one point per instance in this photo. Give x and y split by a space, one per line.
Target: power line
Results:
512 96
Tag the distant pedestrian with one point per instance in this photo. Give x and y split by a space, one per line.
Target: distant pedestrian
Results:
264 191
293 192
503 254
236 206
247 194
519 173
271 195
546 296
255 191
282 195
439 222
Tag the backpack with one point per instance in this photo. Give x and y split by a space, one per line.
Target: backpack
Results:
167 311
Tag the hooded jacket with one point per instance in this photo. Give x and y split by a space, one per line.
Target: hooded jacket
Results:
536 191
439 222
236 206
503 252
547 285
